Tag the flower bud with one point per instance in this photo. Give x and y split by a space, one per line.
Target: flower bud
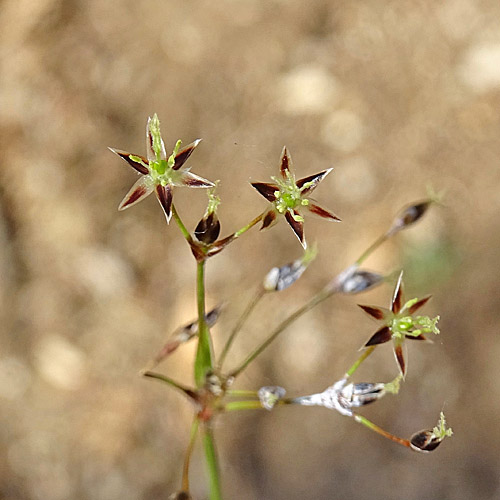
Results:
355 395
270 395
184 334
410 215
208 229
279 278
354 280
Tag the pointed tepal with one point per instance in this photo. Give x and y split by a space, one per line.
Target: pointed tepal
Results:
285 163
140 190
397 298
296 225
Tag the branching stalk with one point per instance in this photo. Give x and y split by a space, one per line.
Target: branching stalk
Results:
237 328
176 385
249 225
241 394
181 225
243 405
367 423
254 405
204 353
212 463
381 239
189 452
314 301
358 362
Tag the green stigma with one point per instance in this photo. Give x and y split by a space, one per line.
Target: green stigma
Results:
154 129
289 195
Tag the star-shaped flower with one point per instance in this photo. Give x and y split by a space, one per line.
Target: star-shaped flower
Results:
288 197
400 323
159 173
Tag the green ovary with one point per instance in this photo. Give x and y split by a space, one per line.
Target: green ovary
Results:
402 324
159 167
288 197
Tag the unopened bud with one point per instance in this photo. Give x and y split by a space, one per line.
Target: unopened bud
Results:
354 280
270 395
355 395
208 229
184 334
279 278
410 215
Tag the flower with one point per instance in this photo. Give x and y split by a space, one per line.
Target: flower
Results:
400 323
288 196
159 173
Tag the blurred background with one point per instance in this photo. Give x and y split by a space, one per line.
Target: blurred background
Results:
394 95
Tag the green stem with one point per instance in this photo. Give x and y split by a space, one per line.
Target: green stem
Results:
251 306
356 364
239 393
314 301
249 225
243 405
364 421
163 378
181 225
189 452
212 463
204 353
372 248
254 405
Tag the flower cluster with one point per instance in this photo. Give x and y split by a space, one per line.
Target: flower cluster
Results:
212 392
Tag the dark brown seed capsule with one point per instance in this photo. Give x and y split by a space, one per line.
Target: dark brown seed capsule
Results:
208 229
180 495
425 441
